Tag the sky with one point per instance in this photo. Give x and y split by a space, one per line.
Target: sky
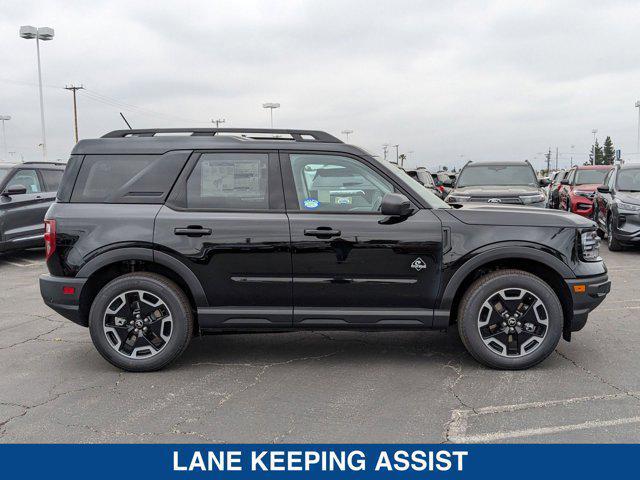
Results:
448 81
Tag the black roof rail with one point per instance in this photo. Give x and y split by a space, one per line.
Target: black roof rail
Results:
296 135
33 162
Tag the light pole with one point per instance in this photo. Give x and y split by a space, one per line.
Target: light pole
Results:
593 157
347 133
638 106
271 106
385 147
218 122
397 154
4 118
44 34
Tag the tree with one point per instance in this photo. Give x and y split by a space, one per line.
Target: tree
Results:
599 155
609 153
402 158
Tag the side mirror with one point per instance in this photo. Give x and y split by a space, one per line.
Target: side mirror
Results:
604 189
14 190
395 205
564 182
544 182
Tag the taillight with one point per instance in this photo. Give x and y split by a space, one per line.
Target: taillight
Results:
49 238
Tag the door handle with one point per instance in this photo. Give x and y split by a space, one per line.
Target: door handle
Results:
193 231
322 232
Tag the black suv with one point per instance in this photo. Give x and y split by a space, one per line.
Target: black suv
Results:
512 183
617 207
156 236
28 189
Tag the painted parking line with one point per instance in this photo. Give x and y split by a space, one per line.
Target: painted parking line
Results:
20 262
458 425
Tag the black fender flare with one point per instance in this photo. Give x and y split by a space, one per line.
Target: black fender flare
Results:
152 256
499 253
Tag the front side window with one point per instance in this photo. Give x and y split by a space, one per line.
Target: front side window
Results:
229 181
587 177
333 183
629 180
26 178
480 175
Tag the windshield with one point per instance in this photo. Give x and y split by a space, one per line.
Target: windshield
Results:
586 177
479 175
629 180
3 172
424 192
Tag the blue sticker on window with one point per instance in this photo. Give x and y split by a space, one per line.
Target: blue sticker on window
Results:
311 203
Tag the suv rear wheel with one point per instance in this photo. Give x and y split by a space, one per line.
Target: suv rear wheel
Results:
141 322
510 319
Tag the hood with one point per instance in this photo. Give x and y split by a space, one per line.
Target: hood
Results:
587 187
500 215
496 191
629 197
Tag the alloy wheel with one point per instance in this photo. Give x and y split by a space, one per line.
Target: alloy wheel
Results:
137 324
513 322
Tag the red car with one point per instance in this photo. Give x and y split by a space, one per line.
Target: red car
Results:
579 188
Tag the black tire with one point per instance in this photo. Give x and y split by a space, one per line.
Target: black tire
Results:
484 288
177 303
612 242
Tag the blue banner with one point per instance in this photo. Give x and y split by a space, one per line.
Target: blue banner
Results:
518 462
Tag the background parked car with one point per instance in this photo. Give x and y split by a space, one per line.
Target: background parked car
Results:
553 190
617 207
443 182
425 178
512 183
579 188
27 191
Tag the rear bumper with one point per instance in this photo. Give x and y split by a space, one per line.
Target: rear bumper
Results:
66 304
595 290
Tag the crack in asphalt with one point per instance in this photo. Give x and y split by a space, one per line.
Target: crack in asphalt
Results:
32 339
598 377
263 369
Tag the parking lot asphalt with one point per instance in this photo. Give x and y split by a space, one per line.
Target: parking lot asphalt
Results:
316 386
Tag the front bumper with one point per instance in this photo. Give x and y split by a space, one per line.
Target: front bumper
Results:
627 227
66 304
587 293
582 206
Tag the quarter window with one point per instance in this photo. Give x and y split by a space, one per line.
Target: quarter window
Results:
51 179
332 183
28 179
229 181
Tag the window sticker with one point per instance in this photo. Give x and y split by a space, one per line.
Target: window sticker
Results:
230 178
310 203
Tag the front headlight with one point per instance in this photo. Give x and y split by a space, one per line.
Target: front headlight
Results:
628 206
590 246
458 198
527 199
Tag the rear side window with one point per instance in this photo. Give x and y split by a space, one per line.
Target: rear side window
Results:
51 179
229 181
127 178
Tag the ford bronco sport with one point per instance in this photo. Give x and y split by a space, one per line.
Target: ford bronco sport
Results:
157 235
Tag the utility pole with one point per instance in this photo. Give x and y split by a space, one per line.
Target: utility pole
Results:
548 155
593 158
74 89
397 154
218 122
638 106
556 160
385 147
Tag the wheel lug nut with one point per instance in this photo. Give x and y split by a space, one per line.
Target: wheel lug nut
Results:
144 329
504 324
136 330
131 322
511 329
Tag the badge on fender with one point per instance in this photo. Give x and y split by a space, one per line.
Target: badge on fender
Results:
418 264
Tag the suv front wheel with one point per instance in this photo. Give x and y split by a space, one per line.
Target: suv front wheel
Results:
141 322
510 319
